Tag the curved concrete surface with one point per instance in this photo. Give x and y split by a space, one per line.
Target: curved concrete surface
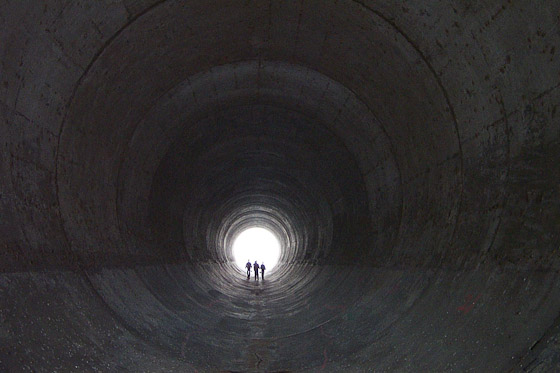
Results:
404 153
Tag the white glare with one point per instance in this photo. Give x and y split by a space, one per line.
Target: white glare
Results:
256 244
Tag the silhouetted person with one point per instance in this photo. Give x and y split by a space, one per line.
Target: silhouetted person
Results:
262 270
248 266
256 269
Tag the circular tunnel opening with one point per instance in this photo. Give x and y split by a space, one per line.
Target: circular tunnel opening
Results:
405 205
256 244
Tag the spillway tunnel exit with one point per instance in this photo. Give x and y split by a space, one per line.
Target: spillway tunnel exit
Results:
405 156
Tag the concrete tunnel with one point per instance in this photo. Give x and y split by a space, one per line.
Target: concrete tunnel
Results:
405 153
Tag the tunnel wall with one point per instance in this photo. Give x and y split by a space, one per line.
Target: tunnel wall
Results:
408 151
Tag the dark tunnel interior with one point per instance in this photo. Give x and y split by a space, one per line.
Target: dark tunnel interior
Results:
405 154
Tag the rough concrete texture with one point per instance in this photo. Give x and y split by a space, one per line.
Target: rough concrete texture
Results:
405 152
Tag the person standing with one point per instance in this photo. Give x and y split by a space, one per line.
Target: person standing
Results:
248 266
256 269
262 270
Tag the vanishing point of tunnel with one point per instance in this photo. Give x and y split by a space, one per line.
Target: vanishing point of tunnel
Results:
405 154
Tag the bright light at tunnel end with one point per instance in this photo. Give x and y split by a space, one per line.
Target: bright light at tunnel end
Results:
258 244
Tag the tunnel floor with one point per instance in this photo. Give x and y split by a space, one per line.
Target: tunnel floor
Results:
175 317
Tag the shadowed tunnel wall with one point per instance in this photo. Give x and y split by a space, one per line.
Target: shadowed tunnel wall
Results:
406 154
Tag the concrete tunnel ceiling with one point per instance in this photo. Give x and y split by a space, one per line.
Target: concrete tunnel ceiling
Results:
404 153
